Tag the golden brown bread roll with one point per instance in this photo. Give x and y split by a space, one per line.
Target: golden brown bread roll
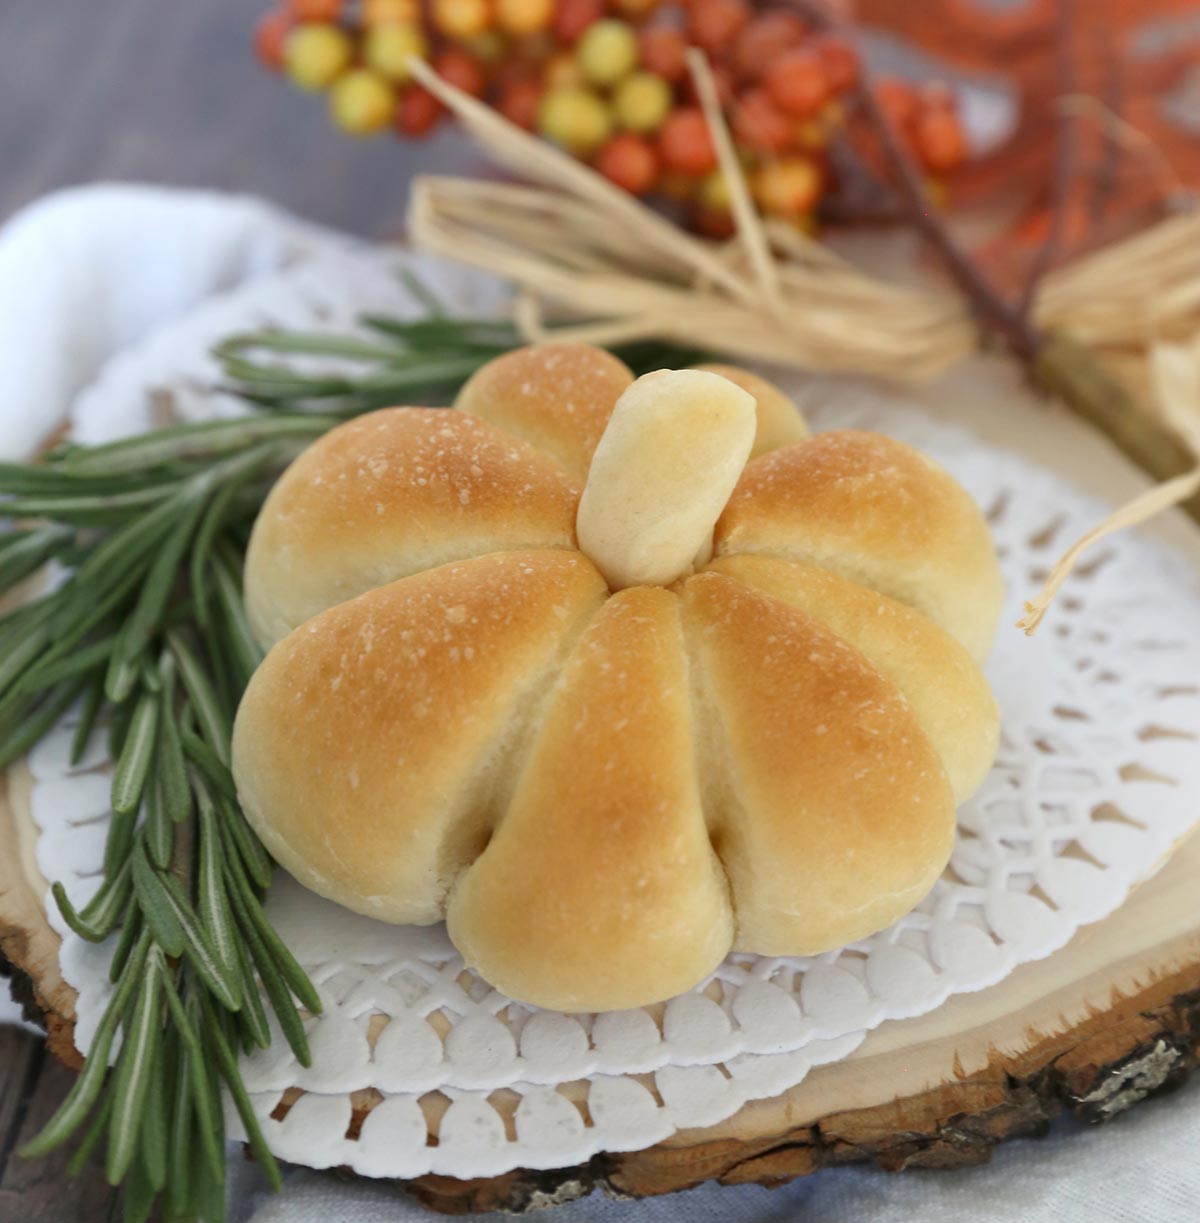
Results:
391 494
606 785
557 397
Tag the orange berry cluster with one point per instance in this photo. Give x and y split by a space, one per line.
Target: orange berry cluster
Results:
607 81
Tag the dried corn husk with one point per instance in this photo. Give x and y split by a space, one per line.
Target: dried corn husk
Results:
606 268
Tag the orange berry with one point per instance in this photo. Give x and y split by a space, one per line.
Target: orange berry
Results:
641 102
461 18
607 51
524 16
562 71
574 118
391 48
316 55
685 143
314 10
714 24
270 34
390 12
796 83
418 112
788 187
898 101
841 62
715 223
763 39
940 140
362 102
519 102
630 162
463 71
662 52
759 124
573 17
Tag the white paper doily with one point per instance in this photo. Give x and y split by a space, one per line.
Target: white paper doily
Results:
1097 777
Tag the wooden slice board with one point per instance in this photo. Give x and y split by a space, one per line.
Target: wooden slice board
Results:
1107 1021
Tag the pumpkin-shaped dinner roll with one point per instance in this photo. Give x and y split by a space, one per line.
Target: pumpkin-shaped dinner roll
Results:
616 676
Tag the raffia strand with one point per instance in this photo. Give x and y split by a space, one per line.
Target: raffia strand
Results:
595 265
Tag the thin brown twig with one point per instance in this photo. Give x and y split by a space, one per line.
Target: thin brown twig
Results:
1066 156
1105 180
860 197
1005 319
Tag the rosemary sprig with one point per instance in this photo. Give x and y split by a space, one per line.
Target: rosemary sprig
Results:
144 634
184 873
404 361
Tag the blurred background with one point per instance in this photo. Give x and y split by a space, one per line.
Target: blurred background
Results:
136 90
139 90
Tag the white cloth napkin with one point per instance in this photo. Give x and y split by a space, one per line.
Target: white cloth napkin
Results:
88 271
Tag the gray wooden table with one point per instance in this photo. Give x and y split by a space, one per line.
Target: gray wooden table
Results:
142 90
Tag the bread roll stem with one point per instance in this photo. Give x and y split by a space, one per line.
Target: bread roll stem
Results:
667 463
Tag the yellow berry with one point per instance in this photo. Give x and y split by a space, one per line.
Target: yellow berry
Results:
524 16
608 51
362 102
315 55
713 192
574 118
788 187
391 48
391 12
642 101
461 18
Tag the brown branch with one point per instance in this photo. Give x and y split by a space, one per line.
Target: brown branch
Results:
1006 320
1054 362
860 197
